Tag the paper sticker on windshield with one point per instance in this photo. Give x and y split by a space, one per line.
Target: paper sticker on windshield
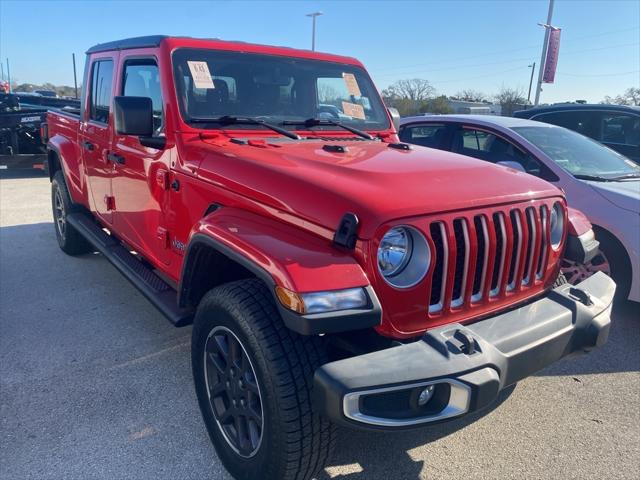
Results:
352 84
353 110
200 74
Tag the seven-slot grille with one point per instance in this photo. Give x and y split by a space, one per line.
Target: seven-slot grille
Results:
483 257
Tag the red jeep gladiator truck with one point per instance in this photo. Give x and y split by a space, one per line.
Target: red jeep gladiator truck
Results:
333 275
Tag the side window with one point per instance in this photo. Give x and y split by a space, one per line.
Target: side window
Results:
492 148
620 128
480 144
426 135
142 79
101 80
583 121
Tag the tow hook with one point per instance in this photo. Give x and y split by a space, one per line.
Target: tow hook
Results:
580 295
464 342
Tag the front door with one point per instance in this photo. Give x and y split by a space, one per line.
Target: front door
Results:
141 183
95 136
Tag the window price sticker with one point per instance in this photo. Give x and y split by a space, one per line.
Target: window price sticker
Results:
352 84
200 74
353 110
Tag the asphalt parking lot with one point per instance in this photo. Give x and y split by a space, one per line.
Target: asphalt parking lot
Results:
94 383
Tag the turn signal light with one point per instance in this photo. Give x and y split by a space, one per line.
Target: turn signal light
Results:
290 300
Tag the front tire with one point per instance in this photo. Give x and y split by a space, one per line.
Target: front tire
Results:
253 379
614 261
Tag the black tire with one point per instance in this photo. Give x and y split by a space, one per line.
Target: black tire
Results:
561 280
619 264
295 442
69 240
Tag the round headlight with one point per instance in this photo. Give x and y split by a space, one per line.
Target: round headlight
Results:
395 251
403 257
556 224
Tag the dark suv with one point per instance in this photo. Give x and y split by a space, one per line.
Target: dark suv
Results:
617 126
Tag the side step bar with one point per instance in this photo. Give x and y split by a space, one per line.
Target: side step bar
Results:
157 291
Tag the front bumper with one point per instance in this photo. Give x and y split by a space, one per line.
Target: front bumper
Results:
467 365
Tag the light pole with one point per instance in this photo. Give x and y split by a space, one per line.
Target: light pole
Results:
9 76
533 69
547 27
313 28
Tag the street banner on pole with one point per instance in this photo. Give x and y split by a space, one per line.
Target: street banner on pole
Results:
551 62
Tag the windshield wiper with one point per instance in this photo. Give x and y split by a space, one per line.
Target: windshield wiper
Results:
626 176
312 122
593 178
230 120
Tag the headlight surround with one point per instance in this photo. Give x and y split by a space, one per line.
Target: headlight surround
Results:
403 257
556 225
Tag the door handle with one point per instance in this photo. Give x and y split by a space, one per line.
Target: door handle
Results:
87 145
115 158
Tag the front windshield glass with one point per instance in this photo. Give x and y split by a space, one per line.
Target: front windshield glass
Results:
577 154
213 83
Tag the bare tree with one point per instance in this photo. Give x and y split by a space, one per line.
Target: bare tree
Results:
437 105
415 89
327 94
469 95
631 96
510 99
408 95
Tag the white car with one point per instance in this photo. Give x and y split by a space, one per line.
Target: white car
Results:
597 180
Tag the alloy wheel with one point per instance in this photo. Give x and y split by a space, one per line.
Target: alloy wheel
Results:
576 272
234 394
60 214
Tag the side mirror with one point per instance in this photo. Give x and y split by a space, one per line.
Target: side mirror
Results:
134 116
512 164
395 118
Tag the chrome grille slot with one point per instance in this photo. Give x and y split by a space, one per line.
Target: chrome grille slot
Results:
438 283
516 232
462 261
482 237
501 246
542 260
531 245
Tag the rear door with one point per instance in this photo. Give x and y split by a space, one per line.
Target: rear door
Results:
95 133
141 182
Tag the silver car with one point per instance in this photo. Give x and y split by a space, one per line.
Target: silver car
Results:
597 180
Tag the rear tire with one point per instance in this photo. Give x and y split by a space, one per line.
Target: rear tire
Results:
274 369
69 240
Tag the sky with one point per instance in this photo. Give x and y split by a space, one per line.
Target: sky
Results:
479 45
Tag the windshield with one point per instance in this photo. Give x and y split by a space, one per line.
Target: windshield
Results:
577 154
212 84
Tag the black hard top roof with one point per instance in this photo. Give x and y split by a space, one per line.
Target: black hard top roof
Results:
126 43
559 107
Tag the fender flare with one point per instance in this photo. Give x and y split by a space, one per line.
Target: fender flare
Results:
65 150
283 255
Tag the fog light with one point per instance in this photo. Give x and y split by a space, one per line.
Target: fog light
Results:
425 395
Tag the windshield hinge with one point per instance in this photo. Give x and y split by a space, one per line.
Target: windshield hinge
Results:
346 234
